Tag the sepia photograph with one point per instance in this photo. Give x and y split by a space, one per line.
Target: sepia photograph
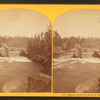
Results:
25 51
76 52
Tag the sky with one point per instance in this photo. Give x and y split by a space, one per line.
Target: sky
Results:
82 22
22 22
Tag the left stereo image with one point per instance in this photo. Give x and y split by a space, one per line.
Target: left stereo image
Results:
25 51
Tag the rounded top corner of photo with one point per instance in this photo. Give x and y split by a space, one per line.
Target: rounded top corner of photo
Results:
80 22
22 22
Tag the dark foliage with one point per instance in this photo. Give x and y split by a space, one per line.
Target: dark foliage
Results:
39 49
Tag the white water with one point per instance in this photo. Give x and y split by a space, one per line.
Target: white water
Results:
66 58
14 72
11 59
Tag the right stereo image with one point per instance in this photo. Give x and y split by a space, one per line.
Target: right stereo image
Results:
76 52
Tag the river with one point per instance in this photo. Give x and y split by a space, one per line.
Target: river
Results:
14 72
76 75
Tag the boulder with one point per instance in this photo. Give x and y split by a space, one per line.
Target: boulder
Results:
78 51
38 58
96 54
39 83
23 53
57 50
77 54
1 55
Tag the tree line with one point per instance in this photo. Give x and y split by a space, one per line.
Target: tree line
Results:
69 42
16 41
40 49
